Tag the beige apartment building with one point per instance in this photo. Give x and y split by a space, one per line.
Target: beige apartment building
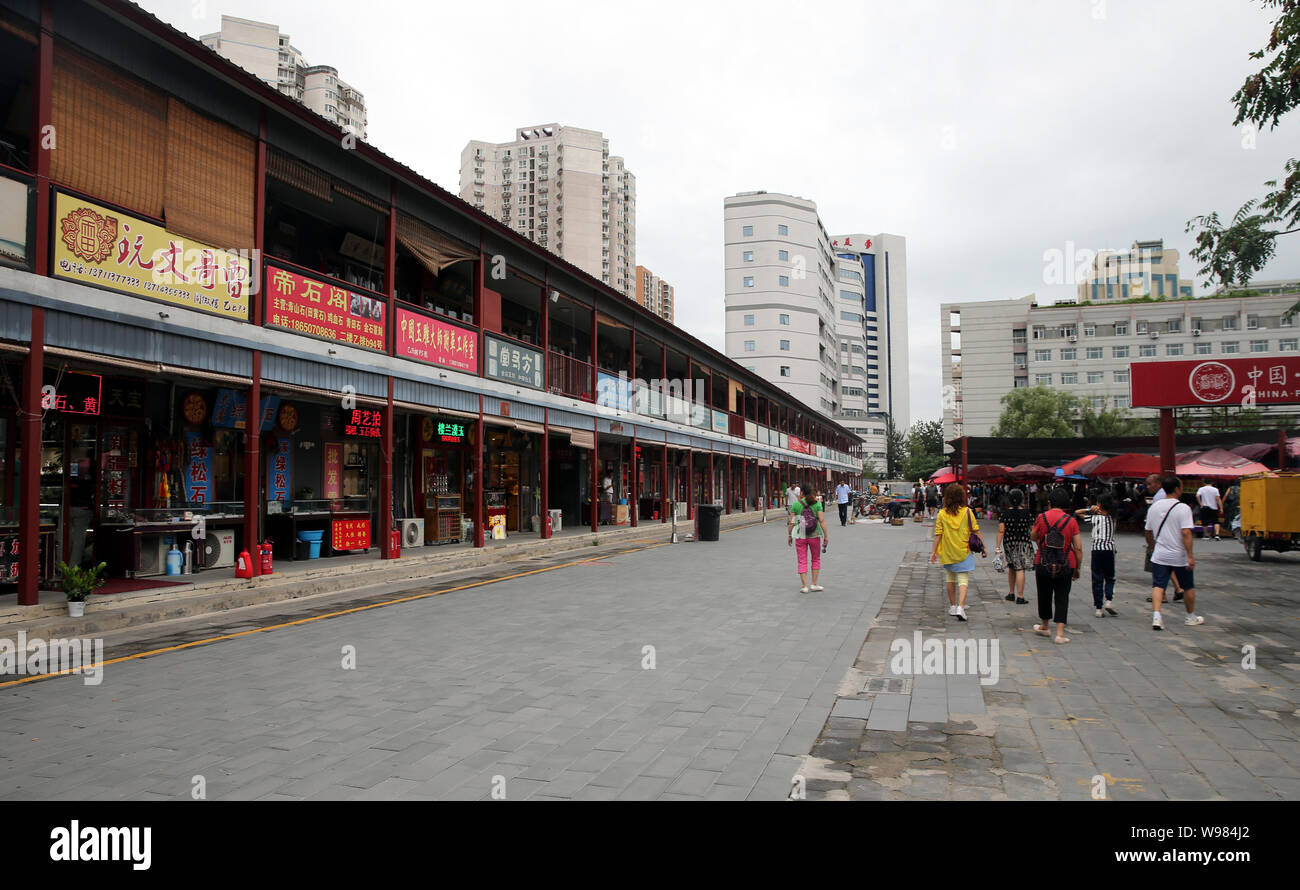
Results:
260 49
654 293
560 187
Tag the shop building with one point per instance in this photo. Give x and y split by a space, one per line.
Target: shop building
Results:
285 339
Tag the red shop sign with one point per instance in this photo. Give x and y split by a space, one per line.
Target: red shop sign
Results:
350 534
429 340
323 310
1244 382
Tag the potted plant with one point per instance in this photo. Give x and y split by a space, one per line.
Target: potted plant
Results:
78 583
306 493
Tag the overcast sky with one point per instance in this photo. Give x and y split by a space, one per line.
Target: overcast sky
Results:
986 133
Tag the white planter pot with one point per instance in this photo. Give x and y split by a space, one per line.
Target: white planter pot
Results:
76 608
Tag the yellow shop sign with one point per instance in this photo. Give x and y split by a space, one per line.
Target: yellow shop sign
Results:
103 247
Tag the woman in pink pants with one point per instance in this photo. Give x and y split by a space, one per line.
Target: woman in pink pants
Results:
807 534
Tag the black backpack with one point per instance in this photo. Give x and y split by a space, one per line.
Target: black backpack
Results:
1053 559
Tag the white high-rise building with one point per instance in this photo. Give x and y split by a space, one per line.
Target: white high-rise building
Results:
260 49
824 318
560 187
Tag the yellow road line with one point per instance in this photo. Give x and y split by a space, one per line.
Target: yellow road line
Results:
258 630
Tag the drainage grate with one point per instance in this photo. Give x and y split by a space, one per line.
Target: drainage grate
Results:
889 685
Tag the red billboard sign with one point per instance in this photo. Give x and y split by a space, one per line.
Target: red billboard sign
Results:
323 310
799 445
350 534
429 340
1243 382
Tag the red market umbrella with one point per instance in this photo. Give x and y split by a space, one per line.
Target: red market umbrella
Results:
944 478
942 471
1219 464
1030 473
1128 466
986 472
1074 467
1254 452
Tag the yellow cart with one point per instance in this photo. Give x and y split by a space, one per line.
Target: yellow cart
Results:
1270 513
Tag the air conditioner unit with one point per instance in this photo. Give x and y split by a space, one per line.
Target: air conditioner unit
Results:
1154 335
219 549
153 555
1074 339
412 532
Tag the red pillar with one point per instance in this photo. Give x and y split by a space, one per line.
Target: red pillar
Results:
253 464
963 461
546 472
386 480
29 521
711 496
731 494
595 463
477 462
1168 459
690 483
633 502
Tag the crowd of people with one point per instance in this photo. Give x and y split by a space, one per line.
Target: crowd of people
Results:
1039 531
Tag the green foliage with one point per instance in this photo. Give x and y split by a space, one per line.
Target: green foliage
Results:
924 449
79 582
895 449
1112 423
1037 412
1228 418
1232 254
869 469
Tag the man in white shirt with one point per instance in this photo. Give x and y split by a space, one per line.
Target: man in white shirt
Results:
842 499
1169 534
1211 506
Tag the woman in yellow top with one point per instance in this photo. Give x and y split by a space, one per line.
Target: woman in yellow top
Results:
952 530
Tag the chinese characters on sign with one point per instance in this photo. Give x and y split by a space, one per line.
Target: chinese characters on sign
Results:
73 393
350 534
1240 382
323 310
103 247
198 473
427 339
513 363
363 423
794 443
451 432
333 470
278 468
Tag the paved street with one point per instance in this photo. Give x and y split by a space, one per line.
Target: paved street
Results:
1171 715
539 680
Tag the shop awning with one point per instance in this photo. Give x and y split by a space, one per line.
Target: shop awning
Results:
579 438
433 249
524 426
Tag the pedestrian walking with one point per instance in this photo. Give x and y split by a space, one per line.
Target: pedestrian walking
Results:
955 529
1015 545
1060 553
1211 507
842 492
1232 509
806 532
1102 566
931 501
1169 536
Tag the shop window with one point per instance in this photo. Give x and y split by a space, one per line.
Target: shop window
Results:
17 59
434 270
521 307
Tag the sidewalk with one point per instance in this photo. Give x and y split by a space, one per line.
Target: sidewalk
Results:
218 590
1171 715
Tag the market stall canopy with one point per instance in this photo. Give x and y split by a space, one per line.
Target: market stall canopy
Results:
1047 452
1256 451
1074 467
1029 473
942 471
986 472
1219 464
944 478
1128 466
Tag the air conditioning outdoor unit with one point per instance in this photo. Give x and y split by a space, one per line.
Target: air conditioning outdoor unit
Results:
1196 332
1154 335
412 532
1074 339
219 549
153 555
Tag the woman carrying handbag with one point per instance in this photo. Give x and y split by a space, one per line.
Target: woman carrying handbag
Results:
956 541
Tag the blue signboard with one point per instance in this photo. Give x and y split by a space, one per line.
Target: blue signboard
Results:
198 472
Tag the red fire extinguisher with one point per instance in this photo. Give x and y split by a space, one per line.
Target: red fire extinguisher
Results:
244 567
549 529
265 550
395 544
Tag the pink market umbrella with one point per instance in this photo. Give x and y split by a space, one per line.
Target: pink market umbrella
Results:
1030 473
1219 464
986 472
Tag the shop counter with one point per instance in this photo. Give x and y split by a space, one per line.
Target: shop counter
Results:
126 555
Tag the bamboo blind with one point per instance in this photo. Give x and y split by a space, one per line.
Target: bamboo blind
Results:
211 179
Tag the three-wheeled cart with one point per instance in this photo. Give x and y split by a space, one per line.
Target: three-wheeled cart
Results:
1270 513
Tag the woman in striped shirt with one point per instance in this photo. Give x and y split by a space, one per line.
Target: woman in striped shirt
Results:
1102 514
